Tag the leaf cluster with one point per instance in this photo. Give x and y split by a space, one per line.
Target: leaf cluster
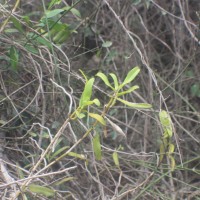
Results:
117 92
167 148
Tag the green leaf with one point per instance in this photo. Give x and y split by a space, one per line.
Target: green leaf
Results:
131 75
162 152
80 115
107 44
104 79
98 117
165 121
77 155
128 91
74 11
41 190
165 134
44 42
87 93
83 74
96 102
56 28
52 13
62 36
114 77
171 148
17 24
172 163
64 180
115 158
97 147
135 105
164 118
31 49
88 103
60 150
11 30
14 58
54 2
26 19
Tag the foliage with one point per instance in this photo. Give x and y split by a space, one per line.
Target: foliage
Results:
88 134
167 147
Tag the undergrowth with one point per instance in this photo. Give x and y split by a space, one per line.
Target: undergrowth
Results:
99 99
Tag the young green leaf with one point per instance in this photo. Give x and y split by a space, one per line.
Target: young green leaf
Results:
88 103
87 92
79 114
171 148
17 24
131 75
60 150
114 77
115 158
162 152
31 49
44 41
84 76
128 91
97 147
96 102
41 190
52 13
135 105
62 36
77 155
74 11
164 118
104 79
172 163
54 2
14 58
165 121
64 180
98 117
11 30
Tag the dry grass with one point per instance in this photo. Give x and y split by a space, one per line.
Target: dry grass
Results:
36 99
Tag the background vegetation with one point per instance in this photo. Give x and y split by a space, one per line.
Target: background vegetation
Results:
47 152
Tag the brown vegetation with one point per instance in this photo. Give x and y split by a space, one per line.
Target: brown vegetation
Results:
161 37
